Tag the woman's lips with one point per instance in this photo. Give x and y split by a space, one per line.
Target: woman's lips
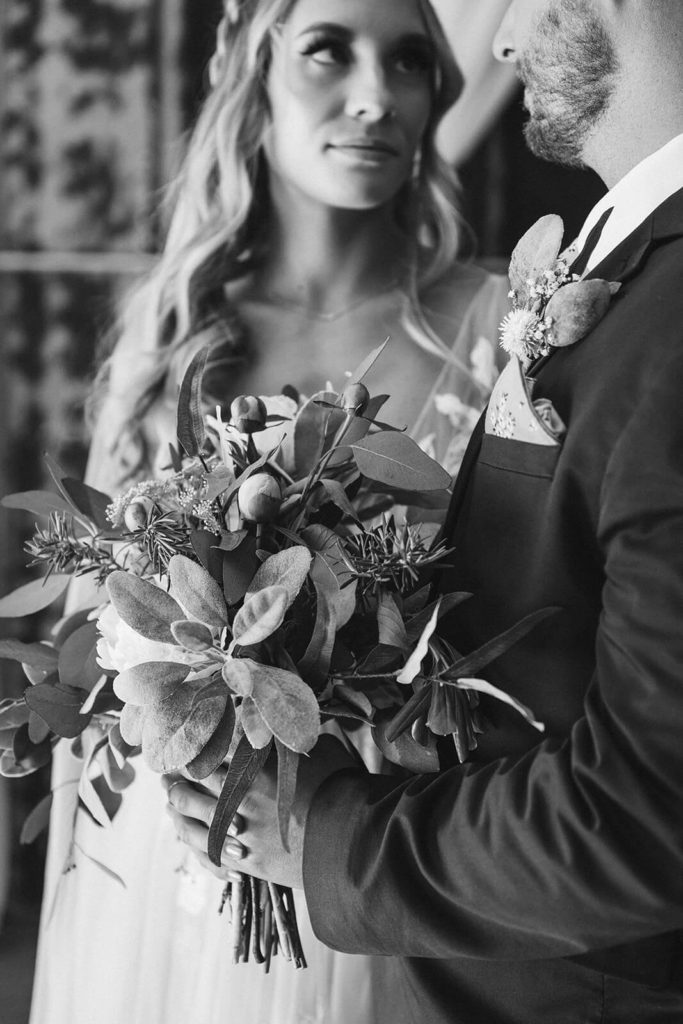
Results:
365 151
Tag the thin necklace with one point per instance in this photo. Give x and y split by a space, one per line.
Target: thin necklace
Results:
337 314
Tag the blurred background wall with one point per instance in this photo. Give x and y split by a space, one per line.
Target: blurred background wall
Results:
94 98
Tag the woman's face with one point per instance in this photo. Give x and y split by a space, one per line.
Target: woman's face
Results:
350 88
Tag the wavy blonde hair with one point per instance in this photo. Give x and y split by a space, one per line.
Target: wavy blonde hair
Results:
219 216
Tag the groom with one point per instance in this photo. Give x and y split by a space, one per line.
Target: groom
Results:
543 883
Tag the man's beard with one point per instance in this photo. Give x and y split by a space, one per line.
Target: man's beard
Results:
569 72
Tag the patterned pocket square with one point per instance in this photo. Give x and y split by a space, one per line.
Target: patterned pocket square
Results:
513 414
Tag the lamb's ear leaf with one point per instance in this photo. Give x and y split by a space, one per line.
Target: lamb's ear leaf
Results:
191 429
194 587
147 609
535 253
216 750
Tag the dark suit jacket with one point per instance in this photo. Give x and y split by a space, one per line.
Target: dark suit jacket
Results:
544 881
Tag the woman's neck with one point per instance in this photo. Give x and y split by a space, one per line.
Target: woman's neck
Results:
325 258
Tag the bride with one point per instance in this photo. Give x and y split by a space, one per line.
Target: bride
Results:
313 219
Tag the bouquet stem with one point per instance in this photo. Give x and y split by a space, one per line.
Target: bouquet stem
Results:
263 919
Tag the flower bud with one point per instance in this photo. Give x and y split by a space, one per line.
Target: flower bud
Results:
260 498
248 414
356 398
136 515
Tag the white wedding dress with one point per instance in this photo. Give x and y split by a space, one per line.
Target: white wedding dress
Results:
130 932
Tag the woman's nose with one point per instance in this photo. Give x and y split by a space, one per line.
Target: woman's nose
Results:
503 43
369 98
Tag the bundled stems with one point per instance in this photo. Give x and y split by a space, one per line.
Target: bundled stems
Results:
263 921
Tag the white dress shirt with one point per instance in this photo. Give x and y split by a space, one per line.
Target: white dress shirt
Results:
633 199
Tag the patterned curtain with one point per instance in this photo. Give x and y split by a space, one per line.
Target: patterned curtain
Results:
93 98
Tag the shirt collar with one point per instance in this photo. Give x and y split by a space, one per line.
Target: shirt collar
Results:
633 199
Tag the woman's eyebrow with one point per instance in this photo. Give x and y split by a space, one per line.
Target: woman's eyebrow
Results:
343 32
329 27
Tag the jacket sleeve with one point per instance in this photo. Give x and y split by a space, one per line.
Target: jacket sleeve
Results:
578 844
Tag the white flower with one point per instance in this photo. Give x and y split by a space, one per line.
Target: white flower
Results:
462 417
518 331
119 647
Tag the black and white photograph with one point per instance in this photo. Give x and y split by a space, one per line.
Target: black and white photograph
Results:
341 512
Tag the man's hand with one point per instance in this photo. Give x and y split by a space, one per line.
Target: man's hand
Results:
254 844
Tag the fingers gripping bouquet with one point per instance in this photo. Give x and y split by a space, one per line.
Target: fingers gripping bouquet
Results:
258 590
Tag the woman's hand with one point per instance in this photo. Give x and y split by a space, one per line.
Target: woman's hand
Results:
253 844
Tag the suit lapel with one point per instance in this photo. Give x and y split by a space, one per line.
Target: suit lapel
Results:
620 265
624 262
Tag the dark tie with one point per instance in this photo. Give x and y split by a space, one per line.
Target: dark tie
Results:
581 262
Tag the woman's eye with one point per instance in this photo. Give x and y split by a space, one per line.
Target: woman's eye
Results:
413 62
326 53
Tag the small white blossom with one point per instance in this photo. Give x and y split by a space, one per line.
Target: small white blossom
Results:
518 332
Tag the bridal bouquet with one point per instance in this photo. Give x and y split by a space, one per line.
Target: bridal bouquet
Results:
263 586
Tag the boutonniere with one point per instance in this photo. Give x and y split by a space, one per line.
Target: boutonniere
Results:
551 307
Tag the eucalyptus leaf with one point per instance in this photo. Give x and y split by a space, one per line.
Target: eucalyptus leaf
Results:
37 821
396 461
60 707
13 713
28 754
39 503
121 750
194 588
131 723
117 778
288 569
37 655
33 597
147 609
150 682
91 798
38 730
9 768
260 616
77 663
244 767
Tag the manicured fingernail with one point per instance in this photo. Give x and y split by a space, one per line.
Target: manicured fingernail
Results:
231 848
